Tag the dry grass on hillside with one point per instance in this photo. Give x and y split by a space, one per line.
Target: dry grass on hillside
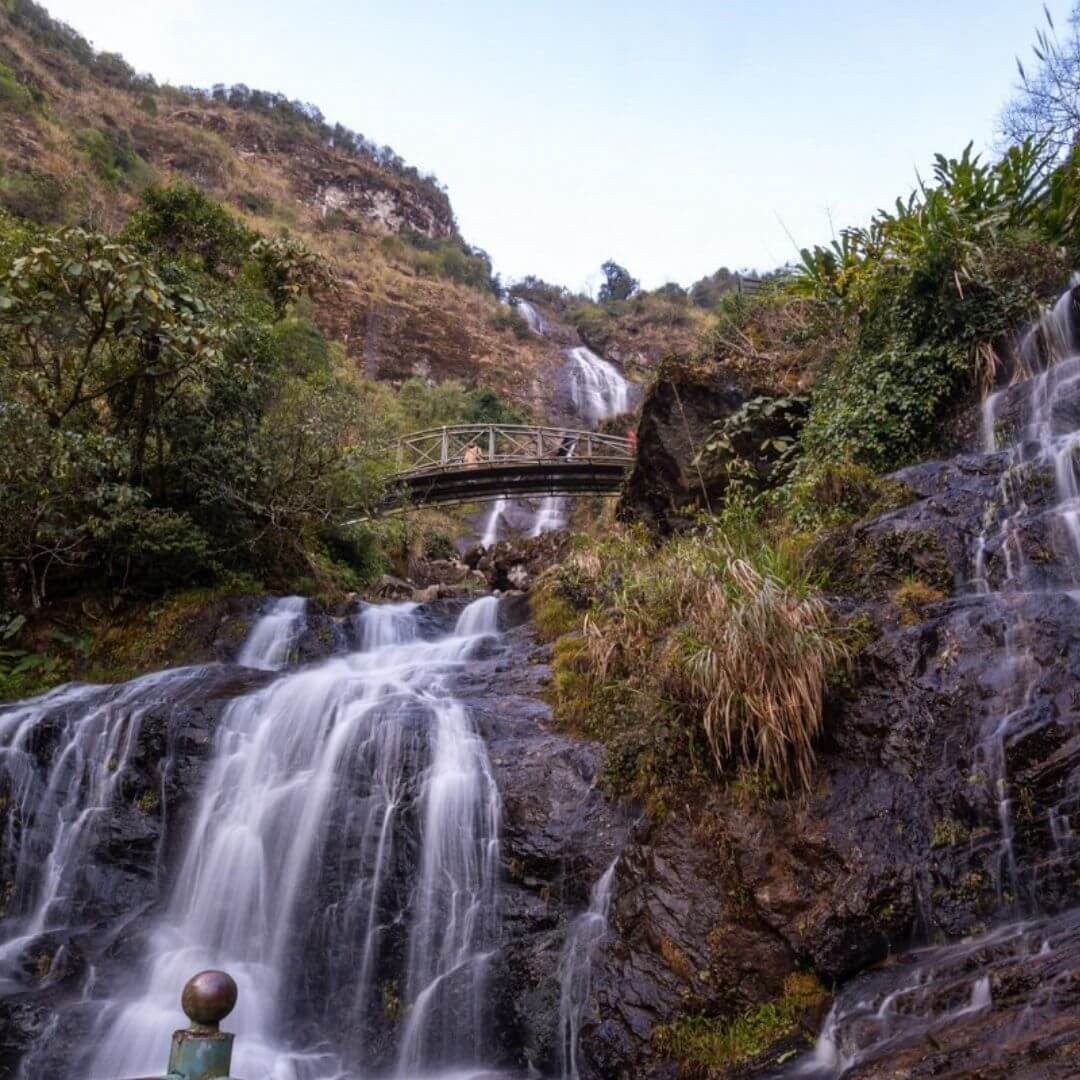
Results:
74 148
717 638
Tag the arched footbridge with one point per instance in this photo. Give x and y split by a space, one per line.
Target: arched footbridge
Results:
473 463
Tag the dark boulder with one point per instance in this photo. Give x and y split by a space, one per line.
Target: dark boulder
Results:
671 478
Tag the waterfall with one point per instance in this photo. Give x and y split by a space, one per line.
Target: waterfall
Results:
62 761
491 529
597 389
267 646
550 516
480 618
575 970
341 861
940 985
387 624
531 316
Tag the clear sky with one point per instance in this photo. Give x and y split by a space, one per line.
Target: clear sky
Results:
673 136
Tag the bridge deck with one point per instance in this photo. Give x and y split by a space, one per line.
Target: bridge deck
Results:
487 461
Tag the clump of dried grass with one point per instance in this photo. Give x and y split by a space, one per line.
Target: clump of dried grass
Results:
722 630
752 660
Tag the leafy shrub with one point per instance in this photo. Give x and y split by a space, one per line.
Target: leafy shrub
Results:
509 319
302 347
452 258
485 406
171 429
929 292
34 195
113 157
181 222
143 545
439 545
288 270
358 547
13 95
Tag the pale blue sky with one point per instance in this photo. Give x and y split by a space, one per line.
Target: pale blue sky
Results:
674 137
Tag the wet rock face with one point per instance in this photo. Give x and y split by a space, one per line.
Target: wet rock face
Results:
558 836
134 845
956 710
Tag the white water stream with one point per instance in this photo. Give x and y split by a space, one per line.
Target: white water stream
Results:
360 777
597 392
575 971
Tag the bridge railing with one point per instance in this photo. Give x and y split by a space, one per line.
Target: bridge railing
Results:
473 445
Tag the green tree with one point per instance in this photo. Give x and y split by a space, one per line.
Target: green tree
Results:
290 270
618 284
88 323
181 222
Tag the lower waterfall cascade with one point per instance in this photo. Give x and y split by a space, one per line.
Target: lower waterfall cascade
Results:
408 849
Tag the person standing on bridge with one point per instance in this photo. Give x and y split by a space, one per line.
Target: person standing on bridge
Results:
472 455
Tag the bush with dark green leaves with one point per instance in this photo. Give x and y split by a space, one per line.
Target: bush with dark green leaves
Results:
931 292
177 414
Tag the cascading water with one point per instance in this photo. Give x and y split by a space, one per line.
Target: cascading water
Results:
491 529
597 392
550 516
532 317
1034 428
341 863
575 971
268 644
596 387
56 815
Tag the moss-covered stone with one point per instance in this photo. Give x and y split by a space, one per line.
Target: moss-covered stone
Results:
707 1046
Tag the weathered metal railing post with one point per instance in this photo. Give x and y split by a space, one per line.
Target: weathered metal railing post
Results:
444 456
203 1051
491 444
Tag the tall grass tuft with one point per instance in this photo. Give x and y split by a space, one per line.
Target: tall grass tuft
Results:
753 659
719 639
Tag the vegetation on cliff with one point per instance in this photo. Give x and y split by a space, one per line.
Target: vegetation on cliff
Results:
179 418
711 652
708 654
84 136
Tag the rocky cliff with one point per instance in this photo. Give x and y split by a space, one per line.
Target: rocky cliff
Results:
940 816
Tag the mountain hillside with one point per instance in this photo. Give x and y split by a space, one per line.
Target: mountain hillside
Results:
83 135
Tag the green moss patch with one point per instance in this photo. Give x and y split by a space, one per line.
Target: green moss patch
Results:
702 1045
